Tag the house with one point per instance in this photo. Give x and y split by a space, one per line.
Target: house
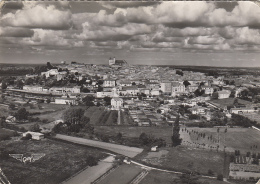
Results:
223 94
50 73
125 83
35 135
177 88
10 119
155 148
130 90
109 83
208 90
197 110
116 103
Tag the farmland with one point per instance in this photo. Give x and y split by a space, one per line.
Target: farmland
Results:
193 160
155 177
61 160
228 102
235 139
131 132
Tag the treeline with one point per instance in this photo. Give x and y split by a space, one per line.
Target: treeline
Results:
16 71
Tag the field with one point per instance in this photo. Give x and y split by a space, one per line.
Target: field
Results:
124 174
5 134
155 177
235 139
128 131
61 160
228 102
188 160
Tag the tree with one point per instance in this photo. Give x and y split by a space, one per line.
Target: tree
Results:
12 106
179 72
232 94
73 116
176 140
235 103
186 83
220 177
107 100
35 128
88 100
214 95
100 88
22 114
4 85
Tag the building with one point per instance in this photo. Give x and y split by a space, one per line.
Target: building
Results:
33 88
113 61
177 88
35 135
116 103
166 87
65 90
65 101
243 110
224 94
109 83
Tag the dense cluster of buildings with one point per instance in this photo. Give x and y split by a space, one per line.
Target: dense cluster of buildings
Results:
141 84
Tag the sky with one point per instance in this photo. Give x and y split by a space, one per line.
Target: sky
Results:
153 33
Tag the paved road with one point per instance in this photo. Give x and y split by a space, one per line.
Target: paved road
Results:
90 174
123 150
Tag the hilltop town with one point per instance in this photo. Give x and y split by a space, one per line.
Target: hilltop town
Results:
211 111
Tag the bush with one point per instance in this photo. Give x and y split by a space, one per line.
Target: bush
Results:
92 161
27 137
210 172
220 177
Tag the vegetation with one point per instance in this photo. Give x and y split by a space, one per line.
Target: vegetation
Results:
69 158
176 140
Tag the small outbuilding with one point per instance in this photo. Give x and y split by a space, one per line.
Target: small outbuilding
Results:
35 135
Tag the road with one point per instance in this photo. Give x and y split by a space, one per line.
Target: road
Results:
91 173
120 149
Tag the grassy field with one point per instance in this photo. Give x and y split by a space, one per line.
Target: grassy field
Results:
228 102
235 139
5 134
194 160
61 160
127 131
94 114
124 174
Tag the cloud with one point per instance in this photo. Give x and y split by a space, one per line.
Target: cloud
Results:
38 16
128 4
15 32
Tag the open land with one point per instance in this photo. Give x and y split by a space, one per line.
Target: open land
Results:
61 160
235 139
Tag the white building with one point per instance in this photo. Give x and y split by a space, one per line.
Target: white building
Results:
109 83
166 87
224 94
177 88
65 101
35 135
116 103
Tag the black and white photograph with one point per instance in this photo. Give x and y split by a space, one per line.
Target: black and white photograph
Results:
129 92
